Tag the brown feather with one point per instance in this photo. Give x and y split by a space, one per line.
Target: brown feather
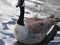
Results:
39 25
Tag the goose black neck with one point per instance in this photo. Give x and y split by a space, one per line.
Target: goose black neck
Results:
21 17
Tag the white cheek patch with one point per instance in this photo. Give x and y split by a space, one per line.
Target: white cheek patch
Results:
23 4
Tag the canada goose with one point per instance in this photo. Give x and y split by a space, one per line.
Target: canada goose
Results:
34 31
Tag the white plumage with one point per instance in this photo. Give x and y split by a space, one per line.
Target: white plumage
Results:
21 32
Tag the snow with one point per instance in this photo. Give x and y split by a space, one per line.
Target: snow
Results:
9 15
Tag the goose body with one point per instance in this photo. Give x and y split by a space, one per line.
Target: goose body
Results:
23 35
27 37
32 30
